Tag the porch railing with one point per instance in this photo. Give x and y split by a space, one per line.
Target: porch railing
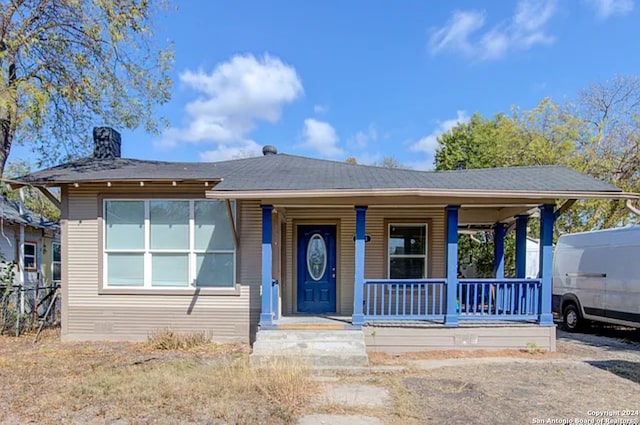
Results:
400 299
498 299
477 299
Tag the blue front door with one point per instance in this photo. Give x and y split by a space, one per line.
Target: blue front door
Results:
316 269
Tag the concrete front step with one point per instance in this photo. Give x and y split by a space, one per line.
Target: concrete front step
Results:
345 361
313 347
310 346
311 326
310 334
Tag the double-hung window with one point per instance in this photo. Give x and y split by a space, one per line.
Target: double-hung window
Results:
407 254
168 244
30 256
56 262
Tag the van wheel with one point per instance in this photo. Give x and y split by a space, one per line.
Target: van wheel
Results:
572 319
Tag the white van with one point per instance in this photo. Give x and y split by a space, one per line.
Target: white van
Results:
596 276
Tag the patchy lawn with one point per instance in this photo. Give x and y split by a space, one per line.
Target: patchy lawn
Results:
588 373
128 383
176 379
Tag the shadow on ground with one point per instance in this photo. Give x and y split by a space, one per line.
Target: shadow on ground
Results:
622 368
611 338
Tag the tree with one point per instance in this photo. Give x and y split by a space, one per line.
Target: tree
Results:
472 144
67 64
541 136
390 162
609 146
33 199
386 162
598 134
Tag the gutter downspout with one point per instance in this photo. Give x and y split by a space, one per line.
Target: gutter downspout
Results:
21 271
631 208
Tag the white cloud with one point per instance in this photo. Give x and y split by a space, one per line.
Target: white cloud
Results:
464 34
362 138
429 144
224 152
455 33
232 100
608 8
320 109
321 137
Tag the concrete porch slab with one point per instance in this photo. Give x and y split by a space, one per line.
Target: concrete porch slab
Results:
314 347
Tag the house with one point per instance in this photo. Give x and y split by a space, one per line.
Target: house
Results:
29 253
235 246
40 237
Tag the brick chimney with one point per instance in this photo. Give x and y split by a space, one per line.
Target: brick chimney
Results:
106 143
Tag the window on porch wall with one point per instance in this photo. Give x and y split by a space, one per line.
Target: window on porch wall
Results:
407 256
168 244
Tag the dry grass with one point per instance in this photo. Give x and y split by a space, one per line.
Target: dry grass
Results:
166 339
508 393
380 358
104 382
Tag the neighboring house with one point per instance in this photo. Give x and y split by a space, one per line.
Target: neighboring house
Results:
196 246
40 238
533 257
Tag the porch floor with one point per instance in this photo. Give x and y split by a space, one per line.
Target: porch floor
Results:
313 322
461 324
335 321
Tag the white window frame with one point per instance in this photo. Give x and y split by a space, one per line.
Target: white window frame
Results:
425 272
147 251
53 261
34 256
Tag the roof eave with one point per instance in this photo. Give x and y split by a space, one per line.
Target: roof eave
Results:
55 183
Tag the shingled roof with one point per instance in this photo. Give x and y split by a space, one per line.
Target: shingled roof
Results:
12 211
289 172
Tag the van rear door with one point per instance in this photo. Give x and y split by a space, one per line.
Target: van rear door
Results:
622 296
590 280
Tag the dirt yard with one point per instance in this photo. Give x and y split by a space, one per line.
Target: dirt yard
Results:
120 383
589 373
126 383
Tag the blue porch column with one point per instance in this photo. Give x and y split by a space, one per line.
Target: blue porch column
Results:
546 256
451 316
266 315
521 245
357 319
499 230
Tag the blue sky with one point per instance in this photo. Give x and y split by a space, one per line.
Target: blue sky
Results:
368 79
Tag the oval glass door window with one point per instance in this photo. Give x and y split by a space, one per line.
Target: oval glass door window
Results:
316 257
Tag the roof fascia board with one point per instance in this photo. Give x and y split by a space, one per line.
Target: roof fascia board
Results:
55 183
347 193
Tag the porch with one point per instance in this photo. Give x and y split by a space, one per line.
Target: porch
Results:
436 302
403 336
